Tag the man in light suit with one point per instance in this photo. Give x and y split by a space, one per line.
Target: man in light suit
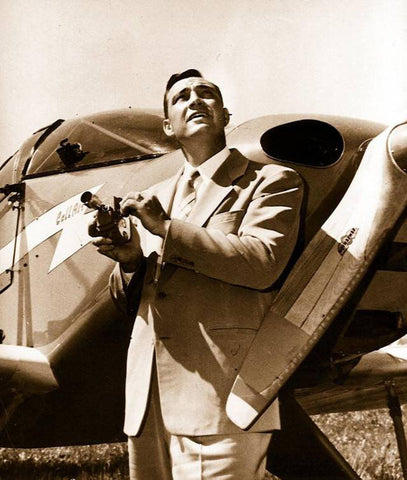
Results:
210 243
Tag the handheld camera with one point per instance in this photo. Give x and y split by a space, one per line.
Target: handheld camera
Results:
117 226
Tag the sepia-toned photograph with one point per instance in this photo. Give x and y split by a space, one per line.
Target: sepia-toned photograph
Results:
203 240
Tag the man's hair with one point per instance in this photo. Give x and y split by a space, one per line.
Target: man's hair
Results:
176 77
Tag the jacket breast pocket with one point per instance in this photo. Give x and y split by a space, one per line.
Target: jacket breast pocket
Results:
227 222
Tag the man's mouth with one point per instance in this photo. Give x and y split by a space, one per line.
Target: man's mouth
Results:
197 115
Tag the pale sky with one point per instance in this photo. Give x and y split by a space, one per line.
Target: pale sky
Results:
64 58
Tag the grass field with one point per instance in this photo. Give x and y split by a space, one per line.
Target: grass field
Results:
365 439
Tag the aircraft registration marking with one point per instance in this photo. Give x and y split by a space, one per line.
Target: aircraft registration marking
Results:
70 217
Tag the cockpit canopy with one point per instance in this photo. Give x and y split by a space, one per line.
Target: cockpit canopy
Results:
100 139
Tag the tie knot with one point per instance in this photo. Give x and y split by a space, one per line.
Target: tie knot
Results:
192 176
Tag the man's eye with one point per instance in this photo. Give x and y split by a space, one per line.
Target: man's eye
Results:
206 93
182 97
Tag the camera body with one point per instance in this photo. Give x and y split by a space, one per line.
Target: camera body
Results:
115 225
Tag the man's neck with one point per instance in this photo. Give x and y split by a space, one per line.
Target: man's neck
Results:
197 153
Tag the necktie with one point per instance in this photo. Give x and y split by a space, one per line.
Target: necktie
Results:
187 197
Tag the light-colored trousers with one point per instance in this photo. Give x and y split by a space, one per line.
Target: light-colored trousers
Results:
157 455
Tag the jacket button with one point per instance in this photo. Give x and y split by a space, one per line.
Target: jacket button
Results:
162 294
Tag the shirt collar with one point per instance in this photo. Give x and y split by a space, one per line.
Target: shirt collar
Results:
209 167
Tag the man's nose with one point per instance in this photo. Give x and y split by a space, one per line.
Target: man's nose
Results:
195 99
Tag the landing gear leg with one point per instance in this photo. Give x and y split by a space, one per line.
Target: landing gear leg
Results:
301 451
395 412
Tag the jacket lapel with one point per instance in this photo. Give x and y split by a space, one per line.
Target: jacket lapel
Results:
214 190
165 193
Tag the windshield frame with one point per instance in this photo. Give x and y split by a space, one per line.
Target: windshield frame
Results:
77 168
93 141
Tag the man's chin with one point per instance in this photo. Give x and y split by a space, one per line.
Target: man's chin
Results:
199 121
196 128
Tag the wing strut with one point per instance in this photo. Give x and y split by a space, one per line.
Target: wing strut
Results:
301 451
393 403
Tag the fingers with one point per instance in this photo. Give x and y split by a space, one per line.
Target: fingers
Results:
128 206
93 228
134 196
131 203
105 246
103 242
97 230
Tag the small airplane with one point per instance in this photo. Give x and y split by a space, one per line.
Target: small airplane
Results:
327 342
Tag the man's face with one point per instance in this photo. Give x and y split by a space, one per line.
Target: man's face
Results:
194 107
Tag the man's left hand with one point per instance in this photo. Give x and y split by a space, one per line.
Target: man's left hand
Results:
148 209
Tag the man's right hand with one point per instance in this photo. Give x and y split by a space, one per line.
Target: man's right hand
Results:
127 254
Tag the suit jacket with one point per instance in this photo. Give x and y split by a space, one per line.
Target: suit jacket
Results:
206 290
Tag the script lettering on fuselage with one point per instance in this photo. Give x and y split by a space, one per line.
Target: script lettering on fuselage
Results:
69 212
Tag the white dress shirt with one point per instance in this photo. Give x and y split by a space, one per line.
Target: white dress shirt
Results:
206 171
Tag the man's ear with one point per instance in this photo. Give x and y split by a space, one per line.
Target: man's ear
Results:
167 127
226 116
